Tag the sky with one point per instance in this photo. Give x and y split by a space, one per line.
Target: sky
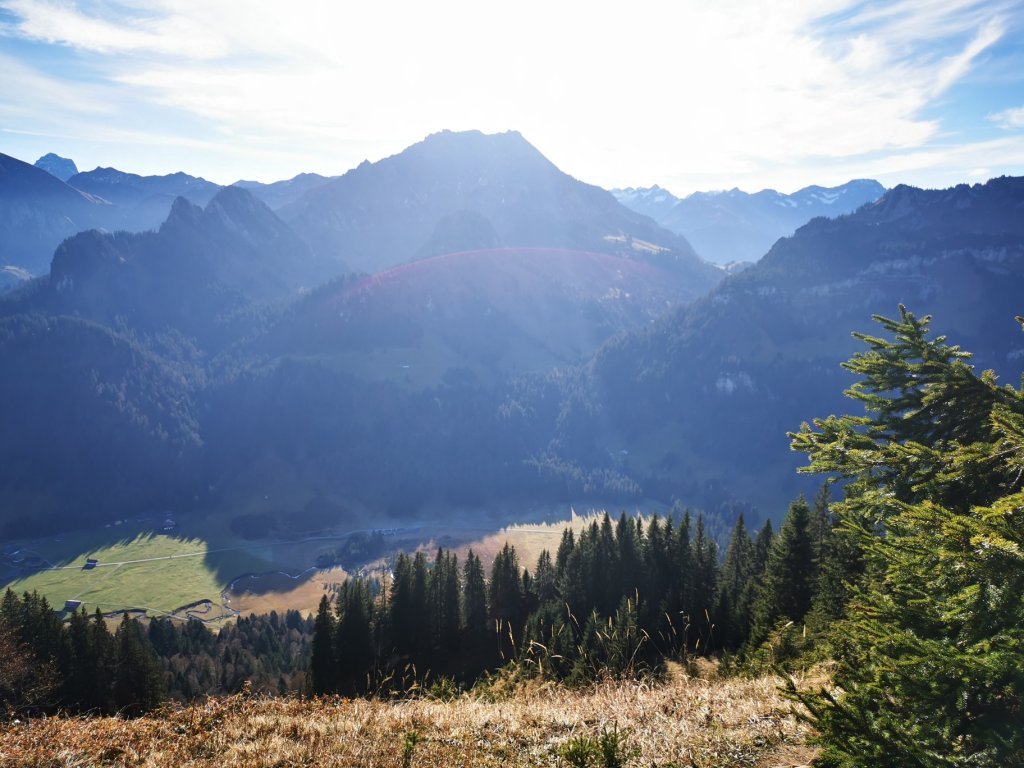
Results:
688 94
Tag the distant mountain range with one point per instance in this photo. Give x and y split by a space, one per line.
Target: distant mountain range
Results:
451 192
736 226
41 205
459 324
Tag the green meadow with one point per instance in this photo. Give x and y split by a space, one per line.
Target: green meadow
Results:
152 571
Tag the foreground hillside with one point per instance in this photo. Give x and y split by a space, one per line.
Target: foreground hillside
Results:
684 722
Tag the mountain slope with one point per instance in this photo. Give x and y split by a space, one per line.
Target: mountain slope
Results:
385 213
95 425
37 211
486 313
736 226
704 397
200 266
280 193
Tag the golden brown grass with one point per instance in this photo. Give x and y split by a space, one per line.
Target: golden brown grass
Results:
682 722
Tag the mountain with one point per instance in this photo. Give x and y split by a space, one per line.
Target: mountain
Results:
58 166
37 211
701 400
199 267
485 314
735 226
281 193
131 189
141 202
385 213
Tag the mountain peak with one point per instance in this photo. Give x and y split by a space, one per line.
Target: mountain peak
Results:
733 225
238 209
393 210
183 212
509 146
61 167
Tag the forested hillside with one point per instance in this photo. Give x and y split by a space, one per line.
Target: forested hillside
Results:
910 585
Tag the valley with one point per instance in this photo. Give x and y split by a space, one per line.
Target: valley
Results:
205 570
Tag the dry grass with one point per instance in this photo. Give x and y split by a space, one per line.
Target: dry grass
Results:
683 722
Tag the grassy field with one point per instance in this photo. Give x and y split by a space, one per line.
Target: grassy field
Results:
686 721
155 572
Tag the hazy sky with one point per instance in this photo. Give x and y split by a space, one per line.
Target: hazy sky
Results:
690 95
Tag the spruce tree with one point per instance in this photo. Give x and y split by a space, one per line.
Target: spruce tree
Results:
323 668
444 589
787 588
474 600
733 613
931 670
353 640
506 588
545 578
403 608
138 682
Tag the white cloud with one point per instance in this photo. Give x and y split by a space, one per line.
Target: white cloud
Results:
954 67
1009 118
129 31
662 90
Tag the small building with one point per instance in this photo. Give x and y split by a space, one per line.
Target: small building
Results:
70 606
90 563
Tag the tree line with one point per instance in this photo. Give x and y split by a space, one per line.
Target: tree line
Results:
617 598
80 665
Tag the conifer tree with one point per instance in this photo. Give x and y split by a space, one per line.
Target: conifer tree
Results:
930 672
102 648
788 585
545 578
474 600
353 641
323 668
138 683
629 537
506 591
733 614
81 679
444 589
420 627
604 569
403 610
703 588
